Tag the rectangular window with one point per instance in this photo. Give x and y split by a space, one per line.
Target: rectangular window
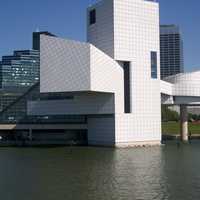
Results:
127 88
92 16
154 65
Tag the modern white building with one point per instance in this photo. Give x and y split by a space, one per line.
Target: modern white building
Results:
113 79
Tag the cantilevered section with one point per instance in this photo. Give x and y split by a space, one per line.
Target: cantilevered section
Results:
93 78
71 66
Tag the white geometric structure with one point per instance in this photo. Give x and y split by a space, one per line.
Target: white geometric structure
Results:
112 82
128 30
92 77
181 89
114 78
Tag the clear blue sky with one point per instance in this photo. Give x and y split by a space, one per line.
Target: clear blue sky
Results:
66 18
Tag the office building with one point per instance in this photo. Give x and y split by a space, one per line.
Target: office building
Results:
171 51
18 72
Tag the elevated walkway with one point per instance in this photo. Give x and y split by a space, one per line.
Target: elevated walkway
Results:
181 89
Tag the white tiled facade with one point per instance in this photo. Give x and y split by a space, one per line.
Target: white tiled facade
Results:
132 35
185 84
181 89
64 65
101 34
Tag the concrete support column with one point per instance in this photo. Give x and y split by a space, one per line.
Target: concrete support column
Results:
184 123
30 135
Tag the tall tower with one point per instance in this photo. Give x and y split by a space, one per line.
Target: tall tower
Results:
171 49
128 31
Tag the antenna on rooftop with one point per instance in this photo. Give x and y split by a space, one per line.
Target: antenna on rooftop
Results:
92 2
37 30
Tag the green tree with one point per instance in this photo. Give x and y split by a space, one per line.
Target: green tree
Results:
169 115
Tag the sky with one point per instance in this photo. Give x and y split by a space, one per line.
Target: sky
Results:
67 19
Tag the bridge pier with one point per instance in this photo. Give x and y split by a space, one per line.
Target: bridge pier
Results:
184 123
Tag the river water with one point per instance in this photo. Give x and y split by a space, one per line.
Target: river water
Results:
87 173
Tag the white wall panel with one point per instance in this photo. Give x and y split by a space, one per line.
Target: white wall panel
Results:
107 75
64 65
101 34
130 128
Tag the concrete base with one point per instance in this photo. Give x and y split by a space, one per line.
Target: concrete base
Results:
126 144
138 144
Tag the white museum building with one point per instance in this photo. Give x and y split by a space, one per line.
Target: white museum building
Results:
114 77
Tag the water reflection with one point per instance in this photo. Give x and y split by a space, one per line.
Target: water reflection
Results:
86 173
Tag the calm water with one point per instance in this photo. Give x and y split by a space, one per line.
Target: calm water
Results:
86 173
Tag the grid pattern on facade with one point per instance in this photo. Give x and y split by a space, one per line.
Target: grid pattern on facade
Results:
18 72
132 34
171 51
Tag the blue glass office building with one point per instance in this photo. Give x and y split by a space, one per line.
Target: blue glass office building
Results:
18 72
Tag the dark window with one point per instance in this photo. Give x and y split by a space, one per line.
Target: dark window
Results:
154 65
127 97
56 96
92 17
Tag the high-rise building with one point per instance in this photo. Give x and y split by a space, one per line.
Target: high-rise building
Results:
171 51
18 72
